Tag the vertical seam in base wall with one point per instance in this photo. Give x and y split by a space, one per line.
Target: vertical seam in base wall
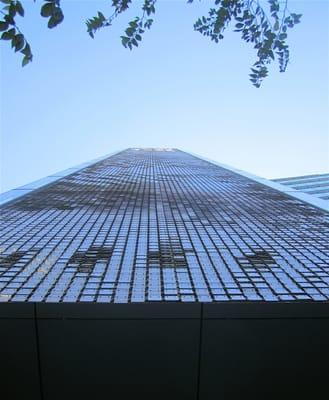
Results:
200 352
38 350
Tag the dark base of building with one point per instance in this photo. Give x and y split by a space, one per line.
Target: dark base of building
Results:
164 351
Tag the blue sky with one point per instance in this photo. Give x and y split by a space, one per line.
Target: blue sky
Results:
82 98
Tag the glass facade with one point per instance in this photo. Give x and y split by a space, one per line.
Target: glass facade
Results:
156 225
315 185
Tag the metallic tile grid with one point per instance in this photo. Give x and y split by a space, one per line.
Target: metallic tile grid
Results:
156 225
315 185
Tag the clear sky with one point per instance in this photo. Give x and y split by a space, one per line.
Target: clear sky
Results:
82 98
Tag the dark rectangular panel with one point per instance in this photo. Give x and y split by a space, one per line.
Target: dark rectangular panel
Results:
119 359
18 360
119 311
263 309
264 359
17 310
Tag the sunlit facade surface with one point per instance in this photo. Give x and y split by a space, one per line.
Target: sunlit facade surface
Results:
315 185
160 225
155 274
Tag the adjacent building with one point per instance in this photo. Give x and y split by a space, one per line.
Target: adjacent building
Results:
315 185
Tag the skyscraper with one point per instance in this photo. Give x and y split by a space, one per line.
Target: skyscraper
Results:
314 185
184 239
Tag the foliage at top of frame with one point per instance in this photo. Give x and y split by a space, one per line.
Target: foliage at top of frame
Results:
264 24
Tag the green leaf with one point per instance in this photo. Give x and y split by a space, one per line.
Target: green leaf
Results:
12 10
52 22
19 42
9 19
56 18
6 36
124 40
3 26
19 8
9 35
129 31
47 10
101 16
26 60
27 50
58 15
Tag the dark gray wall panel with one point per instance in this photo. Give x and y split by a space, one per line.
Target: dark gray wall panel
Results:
264 359
119 359
119 311
266 310
18 360
17 310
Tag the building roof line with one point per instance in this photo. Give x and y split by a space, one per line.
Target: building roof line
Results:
300 177
302 181
17 193
21 191
306 198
